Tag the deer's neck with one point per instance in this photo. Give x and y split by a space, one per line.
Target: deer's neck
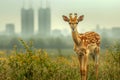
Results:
75 37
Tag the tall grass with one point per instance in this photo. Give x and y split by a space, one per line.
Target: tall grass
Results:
34 64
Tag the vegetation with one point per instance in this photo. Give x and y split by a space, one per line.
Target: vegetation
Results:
60 42
34 64
43 43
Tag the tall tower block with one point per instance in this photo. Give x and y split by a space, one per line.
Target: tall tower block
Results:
27 21
44 21
48 17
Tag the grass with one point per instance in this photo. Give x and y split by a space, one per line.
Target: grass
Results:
32 64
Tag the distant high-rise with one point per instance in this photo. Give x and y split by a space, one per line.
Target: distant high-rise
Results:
10 29
27 21
44 20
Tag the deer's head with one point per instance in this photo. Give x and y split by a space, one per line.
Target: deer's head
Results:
73 21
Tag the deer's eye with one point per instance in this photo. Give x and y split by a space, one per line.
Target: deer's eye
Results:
70 23
76 22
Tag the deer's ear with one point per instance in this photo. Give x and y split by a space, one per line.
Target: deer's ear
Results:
80 18
65 18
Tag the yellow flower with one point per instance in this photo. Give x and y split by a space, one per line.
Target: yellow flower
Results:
3 59
34 57
11 57
46 55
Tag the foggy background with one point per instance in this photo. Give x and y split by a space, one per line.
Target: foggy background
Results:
102 16
103 12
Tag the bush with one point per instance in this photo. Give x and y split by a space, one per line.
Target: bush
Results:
34 64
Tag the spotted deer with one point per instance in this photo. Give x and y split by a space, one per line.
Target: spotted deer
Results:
85 44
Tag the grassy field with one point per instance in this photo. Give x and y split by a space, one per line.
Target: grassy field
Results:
32 64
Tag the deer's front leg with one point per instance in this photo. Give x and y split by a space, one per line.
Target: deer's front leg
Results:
80 58
85 66
83 60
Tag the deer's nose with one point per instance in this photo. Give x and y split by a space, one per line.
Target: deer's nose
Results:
72 29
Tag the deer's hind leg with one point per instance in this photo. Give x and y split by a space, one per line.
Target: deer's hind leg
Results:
96 59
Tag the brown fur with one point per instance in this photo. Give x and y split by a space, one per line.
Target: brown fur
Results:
88 38
84 44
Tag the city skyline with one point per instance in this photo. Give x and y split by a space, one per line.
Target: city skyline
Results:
106 13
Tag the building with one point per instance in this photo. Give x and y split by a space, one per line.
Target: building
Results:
44 20
115 32
109 33
27 21
10 29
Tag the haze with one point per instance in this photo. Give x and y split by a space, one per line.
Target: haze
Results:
106 13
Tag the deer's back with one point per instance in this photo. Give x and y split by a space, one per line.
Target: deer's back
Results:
90 38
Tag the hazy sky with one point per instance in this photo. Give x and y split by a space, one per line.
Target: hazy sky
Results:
106 13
